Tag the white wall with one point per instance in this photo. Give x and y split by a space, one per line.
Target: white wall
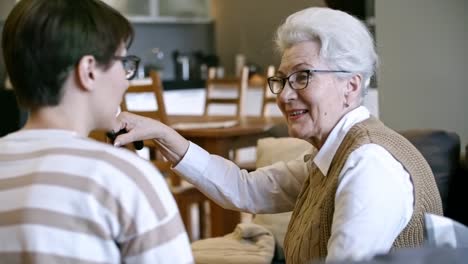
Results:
424 64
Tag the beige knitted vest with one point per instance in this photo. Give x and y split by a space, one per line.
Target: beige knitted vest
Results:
310 226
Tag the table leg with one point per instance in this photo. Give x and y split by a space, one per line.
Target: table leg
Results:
223 221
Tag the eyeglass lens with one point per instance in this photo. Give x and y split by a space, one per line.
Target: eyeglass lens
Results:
297 81
130 68
276 84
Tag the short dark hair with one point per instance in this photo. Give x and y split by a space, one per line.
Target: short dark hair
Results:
44 39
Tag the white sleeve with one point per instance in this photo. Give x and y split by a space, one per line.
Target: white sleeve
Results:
271 189
373 204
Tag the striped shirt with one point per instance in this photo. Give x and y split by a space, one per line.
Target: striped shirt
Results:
69 199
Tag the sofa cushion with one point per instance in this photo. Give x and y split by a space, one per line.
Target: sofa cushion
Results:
441 149
249 243
269 151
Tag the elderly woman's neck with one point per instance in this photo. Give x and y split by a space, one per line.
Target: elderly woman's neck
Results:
319 140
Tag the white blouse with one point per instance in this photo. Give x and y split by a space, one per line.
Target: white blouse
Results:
373 201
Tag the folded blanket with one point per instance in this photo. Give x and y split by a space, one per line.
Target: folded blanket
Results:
249 243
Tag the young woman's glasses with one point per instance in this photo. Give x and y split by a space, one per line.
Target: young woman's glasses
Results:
296 80
130 64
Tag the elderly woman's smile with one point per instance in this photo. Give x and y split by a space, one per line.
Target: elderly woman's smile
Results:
296 114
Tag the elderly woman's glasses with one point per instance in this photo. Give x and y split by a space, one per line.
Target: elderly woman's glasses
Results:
296 80
130 64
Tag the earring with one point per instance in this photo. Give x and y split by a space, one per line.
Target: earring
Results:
346 105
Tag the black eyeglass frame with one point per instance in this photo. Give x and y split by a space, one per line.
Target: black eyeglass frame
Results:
308 71
129 73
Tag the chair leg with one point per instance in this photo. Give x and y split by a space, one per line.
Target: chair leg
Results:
202 219
184 210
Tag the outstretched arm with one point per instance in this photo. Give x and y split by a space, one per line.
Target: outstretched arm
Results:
271 189
171 144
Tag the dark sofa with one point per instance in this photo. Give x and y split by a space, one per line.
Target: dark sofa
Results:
442 151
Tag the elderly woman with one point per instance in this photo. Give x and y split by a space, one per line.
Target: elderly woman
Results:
366 188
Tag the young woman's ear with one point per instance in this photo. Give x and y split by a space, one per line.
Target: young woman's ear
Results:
85 72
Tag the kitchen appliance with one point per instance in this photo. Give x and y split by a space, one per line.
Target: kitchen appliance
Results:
192 65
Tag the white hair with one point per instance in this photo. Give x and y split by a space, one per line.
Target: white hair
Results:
345 42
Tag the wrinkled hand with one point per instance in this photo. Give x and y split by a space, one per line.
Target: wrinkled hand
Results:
138 128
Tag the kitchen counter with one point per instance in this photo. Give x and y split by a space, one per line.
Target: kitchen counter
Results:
181 84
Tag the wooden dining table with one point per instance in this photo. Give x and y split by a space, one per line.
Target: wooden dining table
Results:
241 132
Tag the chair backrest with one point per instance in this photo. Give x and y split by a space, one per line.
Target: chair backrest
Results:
185 197
99 135
153 88
268 96
143 87
238 84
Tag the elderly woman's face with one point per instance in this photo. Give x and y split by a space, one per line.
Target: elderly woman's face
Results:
312 112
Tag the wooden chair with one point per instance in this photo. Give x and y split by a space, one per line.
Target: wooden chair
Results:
239 85
185 194
268 96
99 135
154 88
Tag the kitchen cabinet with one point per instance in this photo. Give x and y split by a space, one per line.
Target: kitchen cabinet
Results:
184 11
184 8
